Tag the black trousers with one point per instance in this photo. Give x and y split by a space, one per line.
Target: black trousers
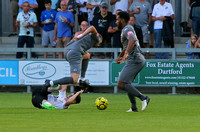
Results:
38 95
21 41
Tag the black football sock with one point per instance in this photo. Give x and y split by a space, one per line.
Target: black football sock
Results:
64 80
133 101
132 90
84 67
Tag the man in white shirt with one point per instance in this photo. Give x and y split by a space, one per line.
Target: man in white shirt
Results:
26 20
121 4
160 11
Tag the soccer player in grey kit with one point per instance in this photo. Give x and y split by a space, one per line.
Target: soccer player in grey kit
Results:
135 62
73 53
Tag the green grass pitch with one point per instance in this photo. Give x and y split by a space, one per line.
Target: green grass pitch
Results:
165 113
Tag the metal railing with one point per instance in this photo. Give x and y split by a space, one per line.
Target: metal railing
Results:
172 51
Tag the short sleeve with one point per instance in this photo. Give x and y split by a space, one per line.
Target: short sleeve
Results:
42 16
154 11
71 18
128 32
171 9
132 7
56 19
149 9
34 18
54 13
18 17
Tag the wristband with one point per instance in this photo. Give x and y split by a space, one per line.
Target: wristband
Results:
79 36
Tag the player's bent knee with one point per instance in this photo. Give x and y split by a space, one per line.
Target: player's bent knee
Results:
120 85
86 56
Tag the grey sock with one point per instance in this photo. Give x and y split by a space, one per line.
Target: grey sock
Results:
133 101
84 67
64 80
132 90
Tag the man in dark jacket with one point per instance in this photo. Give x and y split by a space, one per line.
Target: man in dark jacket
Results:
101 22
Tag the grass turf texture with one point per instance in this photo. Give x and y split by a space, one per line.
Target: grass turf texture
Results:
165 113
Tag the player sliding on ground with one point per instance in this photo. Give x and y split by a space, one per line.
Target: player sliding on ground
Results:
135 62
43 99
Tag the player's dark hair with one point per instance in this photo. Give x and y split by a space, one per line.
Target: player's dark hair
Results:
118 10
78 99
47 1
124 15
132 15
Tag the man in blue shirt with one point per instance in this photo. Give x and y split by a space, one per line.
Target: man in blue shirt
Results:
63 23
48 20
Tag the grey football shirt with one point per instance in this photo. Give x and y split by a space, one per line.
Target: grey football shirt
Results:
83 44
127 32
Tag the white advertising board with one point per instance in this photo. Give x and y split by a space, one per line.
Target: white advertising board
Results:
35 72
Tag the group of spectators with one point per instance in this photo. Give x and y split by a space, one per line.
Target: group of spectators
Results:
151 19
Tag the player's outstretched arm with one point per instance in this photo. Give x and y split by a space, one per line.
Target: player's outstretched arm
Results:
72 99
91 29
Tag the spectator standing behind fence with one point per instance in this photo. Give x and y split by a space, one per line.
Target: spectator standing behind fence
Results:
113 29
48 20
193 40
101 22
195 15
26 20
33 4
161 11
63 23
71 6
82 11
121 4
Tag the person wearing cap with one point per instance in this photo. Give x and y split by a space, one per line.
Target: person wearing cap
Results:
101 22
